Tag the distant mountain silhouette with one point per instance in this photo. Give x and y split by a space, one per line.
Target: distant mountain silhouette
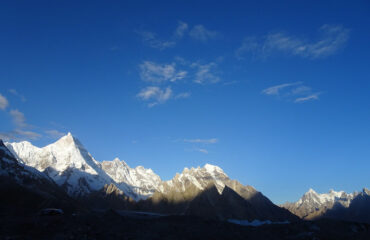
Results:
358 210
334 205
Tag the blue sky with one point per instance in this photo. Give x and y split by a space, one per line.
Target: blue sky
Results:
277 94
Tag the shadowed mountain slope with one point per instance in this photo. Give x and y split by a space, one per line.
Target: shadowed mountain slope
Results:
24 189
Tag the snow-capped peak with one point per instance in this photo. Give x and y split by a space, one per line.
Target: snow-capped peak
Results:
200 177
69 141
311 197
142 182
212 168
311 191
66 161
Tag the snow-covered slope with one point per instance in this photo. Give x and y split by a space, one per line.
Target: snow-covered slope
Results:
312 204
208 192
313 198
71 166
25 189
67 162
143 182
200 177
19 172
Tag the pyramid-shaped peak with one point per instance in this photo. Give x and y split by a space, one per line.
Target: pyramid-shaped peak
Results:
69 141
67 136
311 191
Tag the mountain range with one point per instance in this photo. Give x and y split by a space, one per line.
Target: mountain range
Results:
65 173
337 205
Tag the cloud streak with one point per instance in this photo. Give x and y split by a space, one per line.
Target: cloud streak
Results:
21 131
17 94
3 102
199 32
151 39
205 73
181 29
54 133
19 134
332 38
155 94
275 90
314 96
202 150
203 141
296 92
158 73
18 118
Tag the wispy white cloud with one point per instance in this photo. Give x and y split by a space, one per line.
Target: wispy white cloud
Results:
21 131
19 134
181 29
249 45
54 133
6 136
205 73
296 92
183 95
199 32
314 96
24 134
153 41
155 95
203 141
202 150
16 93
275 90
3 102
301 90
233 82
157 73
199 144
18 118
332 38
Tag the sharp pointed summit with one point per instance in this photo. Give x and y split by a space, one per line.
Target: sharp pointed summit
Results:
66 161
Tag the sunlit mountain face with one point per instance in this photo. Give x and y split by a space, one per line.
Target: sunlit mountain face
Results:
190 120
62 179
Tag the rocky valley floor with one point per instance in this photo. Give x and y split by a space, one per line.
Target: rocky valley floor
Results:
112 225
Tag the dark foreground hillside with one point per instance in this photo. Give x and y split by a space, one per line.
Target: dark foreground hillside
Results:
111 225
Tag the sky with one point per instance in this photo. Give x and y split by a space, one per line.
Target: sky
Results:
276 94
